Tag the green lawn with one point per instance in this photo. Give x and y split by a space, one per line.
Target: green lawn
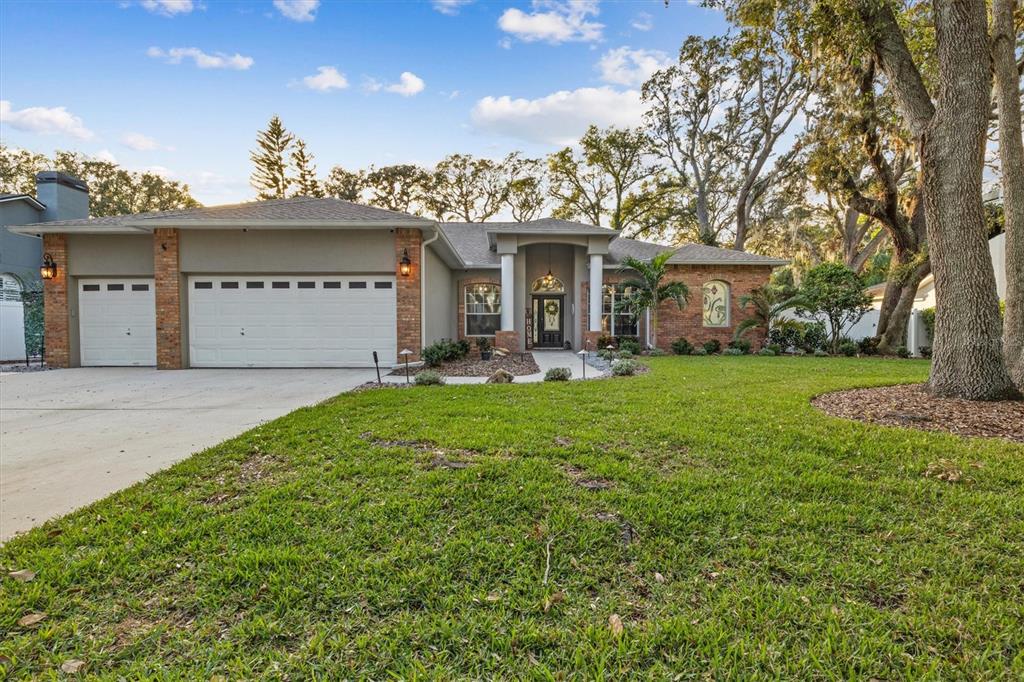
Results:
742 535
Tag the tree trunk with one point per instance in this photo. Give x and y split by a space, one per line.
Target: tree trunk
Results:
894 333
968 358
1011 159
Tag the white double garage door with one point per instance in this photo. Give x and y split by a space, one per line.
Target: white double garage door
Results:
246 321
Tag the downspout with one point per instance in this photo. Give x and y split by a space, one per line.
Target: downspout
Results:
423 286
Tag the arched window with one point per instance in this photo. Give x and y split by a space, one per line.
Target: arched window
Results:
483 309
716 304
548 284
10 288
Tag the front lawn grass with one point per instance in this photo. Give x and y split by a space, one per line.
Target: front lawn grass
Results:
734 530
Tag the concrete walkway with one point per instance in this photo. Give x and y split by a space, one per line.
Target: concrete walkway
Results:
546 359
69 437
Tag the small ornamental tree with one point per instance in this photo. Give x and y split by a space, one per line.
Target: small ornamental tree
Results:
835 292
648 291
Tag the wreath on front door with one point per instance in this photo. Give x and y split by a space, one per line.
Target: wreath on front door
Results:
551 308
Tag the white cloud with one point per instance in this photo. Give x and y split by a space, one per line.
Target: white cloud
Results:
553 22
449 7
623 66
168 7
298 10
142 143
217 60
408 84
44 121
162 171
105 155
505 43
559 118
642 21
327 78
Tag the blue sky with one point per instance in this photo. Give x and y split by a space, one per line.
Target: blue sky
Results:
183 86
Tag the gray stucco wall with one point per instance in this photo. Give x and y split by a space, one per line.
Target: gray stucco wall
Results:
110 255
563 266
441 305
228 251
20 255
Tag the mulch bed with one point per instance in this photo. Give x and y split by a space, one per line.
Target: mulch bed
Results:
517 364
910 406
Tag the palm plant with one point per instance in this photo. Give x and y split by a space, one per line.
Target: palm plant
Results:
647 291
767 302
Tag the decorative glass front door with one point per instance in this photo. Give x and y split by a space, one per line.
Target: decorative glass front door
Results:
548 321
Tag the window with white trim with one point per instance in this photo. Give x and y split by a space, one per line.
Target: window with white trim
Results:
483 309
614 320
716 304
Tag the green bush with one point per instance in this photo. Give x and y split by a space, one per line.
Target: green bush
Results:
700 351
444 350
681 346
606 354
819 353
461 348
925 351
868 345
787 334
928 320
767 352
903 351
775 348
630 346
558 374
483 344
625 367
657 353
429 377
848 348
732 351
604 341
625 354
742 345
712 346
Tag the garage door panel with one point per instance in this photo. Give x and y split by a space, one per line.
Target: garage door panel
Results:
117 322
323 323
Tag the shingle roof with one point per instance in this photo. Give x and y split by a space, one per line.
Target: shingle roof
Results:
549 226
470 243
295 209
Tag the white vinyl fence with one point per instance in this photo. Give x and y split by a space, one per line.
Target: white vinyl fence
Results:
917 335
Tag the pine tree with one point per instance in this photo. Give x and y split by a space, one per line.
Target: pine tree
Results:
305 181
270 177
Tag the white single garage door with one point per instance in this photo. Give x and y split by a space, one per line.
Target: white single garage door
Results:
117 322
291 321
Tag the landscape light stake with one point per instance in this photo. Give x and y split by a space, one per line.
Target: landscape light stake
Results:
583 356
376 363
405 354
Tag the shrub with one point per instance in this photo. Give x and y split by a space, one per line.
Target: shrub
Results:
558 374
868 345
444 350
767 352
461 349
604 341
606 354
903 351
630 346
732 351
625 354
925 351
819 353
814 337
625 367
712 346
742 345
775 348
429 377
483 344
848 348
835 292
433 355
657 353
700 351
681 346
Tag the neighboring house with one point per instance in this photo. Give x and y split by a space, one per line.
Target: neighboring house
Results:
307 282
58 197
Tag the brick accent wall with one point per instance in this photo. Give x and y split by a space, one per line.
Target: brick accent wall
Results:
167 290
408 329
56 321
673 323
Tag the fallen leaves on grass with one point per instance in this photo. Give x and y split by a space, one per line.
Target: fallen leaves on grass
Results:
30 620
555 598
627 534
615 625
911 406
944 470
23 576
72 667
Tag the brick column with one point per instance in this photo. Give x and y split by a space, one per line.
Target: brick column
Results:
167 283
56 333
408 330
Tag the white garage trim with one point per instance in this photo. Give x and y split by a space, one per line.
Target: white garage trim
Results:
291 320
117 322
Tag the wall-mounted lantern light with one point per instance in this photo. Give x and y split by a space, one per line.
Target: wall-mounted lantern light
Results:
405 265
48 270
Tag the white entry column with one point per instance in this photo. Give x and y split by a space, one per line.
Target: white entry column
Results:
596 286
508 292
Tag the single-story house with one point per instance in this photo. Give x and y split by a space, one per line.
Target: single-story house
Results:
307 282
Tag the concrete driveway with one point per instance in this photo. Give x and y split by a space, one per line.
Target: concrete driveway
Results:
72 436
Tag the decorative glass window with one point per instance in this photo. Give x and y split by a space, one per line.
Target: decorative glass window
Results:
548 284
483 309
614 320
716 304
10 289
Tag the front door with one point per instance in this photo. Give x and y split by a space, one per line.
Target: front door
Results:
548 321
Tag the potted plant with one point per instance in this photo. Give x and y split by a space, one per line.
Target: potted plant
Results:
483 344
